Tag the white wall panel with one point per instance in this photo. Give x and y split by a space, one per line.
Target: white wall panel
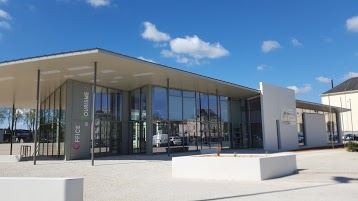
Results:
274 101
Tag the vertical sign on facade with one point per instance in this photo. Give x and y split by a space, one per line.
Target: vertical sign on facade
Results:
81 114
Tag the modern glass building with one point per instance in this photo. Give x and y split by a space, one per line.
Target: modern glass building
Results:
196 121
122 105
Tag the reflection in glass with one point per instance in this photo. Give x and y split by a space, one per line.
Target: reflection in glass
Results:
189 122
331 127
225 139
255 125
213 109
138 117
204 101
107 121
135 104
159 104
224 109
300 130
174 92
138 130
62 119
51 128
175 108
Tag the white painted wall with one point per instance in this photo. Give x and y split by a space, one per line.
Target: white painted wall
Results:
344 100
315 130
273 100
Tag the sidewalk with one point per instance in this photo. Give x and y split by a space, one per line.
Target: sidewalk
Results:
323 175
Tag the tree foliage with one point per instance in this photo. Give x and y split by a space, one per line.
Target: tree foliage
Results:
6 114
29 118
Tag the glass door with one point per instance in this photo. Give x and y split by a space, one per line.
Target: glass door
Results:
115 134
139 130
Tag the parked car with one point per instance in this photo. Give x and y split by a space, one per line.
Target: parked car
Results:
175 140
349 137
160 140
301 138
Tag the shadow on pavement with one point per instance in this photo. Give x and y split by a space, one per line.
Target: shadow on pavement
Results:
344 179
264 193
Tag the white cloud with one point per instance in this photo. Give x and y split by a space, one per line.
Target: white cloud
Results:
323 79
4 25
352 24
350 75
159 45
179 58
197 48
5 15
145 59
184 60
296 43
167 53
187 50
152 33
307 88
262 67
356 54
99 3
269 45
3 1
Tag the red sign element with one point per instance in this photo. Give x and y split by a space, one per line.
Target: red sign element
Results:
76 146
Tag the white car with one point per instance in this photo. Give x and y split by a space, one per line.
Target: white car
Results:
175 140
160 140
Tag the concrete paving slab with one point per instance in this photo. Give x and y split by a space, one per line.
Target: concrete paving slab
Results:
324 175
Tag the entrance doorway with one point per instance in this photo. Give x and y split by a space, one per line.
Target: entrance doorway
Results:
107 136
138 130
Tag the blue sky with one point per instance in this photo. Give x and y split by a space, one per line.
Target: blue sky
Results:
298 43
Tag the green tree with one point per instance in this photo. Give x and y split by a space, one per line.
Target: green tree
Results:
2 115
29 117
18 117
6 114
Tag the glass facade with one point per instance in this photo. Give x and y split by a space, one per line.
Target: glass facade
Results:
202 121
51 137
179 120
137 124
255 123
108 122
108 126
300 127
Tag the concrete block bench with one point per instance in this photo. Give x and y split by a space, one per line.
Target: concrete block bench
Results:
242 167
41 189
10 158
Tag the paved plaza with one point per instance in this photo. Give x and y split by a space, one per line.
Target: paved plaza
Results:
323 175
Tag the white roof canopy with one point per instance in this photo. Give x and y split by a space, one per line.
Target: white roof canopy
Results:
18 77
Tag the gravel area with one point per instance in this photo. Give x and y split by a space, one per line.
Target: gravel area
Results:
323 175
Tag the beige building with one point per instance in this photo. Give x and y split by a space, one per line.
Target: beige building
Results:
345 95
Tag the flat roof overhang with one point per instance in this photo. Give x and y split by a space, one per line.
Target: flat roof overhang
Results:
18 77
319 107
